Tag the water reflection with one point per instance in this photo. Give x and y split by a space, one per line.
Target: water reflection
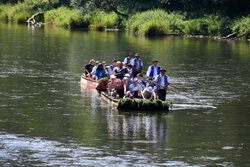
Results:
127 125
137 126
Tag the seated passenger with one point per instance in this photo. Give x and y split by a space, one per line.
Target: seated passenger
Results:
109 69
130 69
148 93
134 90
119 71
113 65
100 72
89 67
141 81
94 69
127 82
111 86
119 88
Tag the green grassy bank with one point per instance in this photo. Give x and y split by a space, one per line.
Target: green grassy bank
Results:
151 22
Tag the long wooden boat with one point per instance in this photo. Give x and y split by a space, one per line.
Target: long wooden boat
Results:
89 83
105 97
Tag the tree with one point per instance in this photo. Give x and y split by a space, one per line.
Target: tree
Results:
121 7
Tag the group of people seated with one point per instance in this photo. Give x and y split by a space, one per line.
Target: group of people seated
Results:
125 79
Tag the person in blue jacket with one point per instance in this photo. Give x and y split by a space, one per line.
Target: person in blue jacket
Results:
100 72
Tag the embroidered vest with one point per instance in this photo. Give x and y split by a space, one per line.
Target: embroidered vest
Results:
135 62
152 71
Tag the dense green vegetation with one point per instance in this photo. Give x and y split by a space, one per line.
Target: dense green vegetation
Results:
144 104
148 17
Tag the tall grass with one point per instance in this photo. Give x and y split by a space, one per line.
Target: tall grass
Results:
65 17
101 20
18 13
212 25
155 22
160 22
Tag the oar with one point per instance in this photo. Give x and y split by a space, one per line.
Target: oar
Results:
175 91
177 88
180 89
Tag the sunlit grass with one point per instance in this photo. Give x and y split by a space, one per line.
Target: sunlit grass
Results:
18 13
155 22
65 17
101 20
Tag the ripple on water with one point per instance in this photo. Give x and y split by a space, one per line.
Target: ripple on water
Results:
227 147
52 153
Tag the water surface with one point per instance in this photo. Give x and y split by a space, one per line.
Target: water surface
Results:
46 119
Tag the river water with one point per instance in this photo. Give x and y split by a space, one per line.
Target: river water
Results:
47 119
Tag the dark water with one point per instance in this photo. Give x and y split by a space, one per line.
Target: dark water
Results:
46 119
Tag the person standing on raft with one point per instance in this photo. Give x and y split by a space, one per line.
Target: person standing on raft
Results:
162 82
137 65
128 59
153 70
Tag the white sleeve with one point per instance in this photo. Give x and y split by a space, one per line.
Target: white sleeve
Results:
125 61
132 62
141 63
149 71
110 71
94 69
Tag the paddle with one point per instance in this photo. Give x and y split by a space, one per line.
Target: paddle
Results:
178 88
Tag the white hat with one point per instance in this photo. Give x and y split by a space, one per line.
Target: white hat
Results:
92 60
127 75
112 77
150 89
135 79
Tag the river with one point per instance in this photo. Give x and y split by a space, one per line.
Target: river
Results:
46 119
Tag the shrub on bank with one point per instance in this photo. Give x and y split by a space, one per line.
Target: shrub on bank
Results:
18 13
65 17
101 20
212 25
242 27
154 28
155 22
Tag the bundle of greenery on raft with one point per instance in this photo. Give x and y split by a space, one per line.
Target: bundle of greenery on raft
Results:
144 104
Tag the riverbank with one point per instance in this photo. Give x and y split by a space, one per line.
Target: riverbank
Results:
150 23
